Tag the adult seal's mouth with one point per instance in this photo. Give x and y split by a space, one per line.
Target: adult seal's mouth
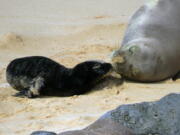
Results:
117 57
117 61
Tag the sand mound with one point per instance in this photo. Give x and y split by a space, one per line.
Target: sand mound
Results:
10 41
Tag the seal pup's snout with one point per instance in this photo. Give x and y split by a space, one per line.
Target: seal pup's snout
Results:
103 68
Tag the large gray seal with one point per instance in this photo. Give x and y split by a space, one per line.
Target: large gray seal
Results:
150 49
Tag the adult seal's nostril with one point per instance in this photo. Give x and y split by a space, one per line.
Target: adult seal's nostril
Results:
151 43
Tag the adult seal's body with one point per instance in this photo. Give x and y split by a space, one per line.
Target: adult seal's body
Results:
37 75
151 45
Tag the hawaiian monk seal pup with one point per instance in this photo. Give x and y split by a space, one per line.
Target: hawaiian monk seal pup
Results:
37 75
151 45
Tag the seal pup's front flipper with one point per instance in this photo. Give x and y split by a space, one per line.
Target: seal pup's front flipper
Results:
24 93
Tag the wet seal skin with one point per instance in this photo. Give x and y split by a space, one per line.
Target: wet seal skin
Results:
36 75
150 48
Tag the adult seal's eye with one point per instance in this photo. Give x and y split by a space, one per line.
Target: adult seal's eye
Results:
134 49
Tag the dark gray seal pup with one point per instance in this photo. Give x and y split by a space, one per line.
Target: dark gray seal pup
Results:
37 75
151 45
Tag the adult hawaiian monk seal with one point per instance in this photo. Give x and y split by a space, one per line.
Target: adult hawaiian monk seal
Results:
151 45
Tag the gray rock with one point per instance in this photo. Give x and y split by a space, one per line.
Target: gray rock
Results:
103 126
148 118
161 117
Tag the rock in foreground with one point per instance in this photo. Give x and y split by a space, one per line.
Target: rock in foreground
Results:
156 118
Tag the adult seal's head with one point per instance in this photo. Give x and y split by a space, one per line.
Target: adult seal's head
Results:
136 61
149 50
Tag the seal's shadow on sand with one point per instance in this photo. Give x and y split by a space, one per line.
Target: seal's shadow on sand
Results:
107 82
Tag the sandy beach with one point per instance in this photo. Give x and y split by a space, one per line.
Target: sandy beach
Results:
68 32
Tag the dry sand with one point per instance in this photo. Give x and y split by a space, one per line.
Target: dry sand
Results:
75 43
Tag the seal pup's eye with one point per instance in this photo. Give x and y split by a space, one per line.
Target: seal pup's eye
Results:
97 66
98 69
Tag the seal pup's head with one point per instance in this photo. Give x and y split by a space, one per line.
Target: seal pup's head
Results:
91 71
